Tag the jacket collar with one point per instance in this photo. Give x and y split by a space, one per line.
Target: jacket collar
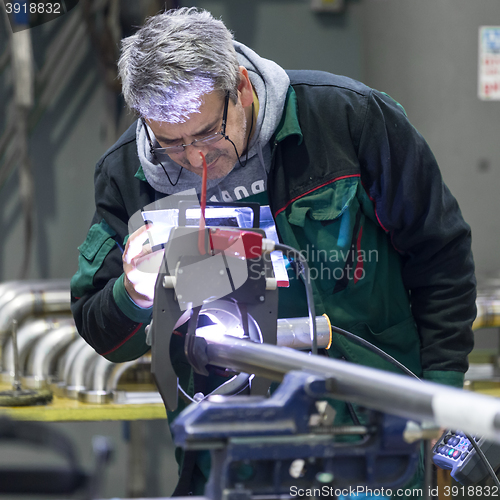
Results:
289 124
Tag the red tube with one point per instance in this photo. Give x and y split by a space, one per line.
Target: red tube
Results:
203 204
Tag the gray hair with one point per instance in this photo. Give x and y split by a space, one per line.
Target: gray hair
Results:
173 60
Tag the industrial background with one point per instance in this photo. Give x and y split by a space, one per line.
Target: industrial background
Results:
423 53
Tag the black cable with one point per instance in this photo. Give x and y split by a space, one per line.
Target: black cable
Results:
373 348
352 413
242 165
304 274
483 458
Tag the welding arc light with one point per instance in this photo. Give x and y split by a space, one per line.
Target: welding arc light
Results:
222 317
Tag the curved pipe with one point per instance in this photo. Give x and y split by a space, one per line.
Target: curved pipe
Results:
42 360
28 334
65 364
32 302
29 302
96 390
103 379
488 310
10 289
131 397
82 362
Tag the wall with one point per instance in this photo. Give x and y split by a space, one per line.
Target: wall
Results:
425 55
65 141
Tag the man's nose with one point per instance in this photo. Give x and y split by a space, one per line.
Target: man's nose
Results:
193 156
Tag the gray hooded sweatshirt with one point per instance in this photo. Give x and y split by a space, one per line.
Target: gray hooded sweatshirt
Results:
271 84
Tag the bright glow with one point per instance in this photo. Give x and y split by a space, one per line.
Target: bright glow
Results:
211 332
219 329
177 102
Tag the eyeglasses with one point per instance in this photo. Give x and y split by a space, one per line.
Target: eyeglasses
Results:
208 140
204 141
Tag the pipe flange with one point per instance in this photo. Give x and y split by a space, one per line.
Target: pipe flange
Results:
72 391
95 397
34 382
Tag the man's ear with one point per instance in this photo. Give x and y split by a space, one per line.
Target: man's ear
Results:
245 89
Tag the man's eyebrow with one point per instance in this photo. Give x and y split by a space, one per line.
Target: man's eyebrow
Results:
203 131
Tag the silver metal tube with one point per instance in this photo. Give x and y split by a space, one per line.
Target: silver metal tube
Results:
43 358
27 336
291 332
296 333
17 380
396 394
488 311
96 385
10 289
79 368
29 302
65 364
102 381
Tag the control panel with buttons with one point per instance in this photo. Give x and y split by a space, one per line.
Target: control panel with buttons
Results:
455 452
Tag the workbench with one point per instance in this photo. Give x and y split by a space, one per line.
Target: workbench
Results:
63 409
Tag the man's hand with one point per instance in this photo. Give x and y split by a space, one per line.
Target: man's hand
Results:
141 267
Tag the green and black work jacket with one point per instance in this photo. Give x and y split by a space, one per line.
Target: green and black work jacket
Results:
353 186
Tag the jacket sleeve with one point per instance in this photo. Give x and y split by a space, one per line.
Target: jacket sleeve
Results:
414 206
104 314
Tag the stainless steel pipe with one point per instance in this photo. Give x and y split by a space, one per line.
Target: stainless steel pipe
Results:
102 382
291 332
28 335
82 363
42 361
96 387
295 332
65 364
21 299
384 391
10 289
488 310
29 302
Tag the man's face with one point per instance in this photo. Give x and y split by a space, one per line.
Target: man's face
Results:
220 156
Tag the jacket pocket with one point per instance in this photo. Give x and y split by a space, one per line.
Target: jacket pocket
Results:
326 225
401 341
324 204
97 245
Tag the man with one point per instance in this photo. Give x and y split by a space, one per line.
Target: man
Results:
349 181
